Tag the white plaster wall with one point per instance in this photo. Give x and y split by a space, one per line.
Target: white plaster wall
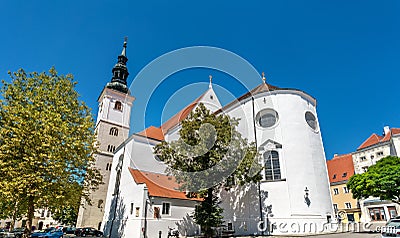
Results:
141 155
302 157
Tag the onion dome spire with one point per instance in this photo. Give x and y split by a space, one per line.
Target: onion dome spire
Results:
120 72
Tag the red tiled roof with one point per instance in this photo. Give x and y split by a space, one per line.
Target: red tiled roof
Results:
159 185
375 139
339 166
180 116
153 132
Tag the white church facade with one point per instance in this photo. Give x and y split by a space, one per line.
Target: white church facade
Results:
293 196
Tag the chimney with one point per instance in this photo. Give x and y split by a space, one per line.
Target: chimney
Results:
386 130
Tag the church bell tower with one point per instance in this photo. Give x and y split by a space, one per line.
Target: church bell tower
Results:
112 127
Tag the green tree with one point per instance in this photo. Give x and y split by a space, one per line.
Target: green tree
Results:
209 155
47 144
381 180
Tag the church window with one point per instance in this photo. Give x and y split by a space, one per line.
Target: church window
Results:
380 153
100 204
211 97
111 148
114 131
132 208
346 190
362 158
267 118
311 120
166 206
336 191
118 106
272 166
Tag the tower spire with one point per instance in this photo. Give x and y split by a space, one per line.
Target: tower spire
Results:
210 85
120 72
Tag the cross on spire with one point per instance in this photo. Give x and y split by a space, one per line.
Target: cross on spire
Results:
263 77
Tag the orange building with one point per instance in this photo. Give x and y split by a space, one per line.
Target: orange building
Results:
340 169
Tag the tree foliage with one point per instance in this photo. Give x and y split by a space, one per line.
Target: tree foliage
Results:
381 180
209 155
47 143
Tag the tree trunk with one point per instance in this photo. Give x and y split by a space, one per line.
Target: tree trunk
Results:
31 210
14 217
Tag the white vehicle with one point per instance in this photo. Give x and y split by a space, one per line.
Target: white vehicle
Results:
392 228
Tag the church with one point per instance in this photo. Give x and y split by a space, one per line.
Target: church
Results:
140 200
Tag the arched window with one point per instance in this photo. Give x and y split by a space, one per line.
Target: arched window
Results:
114 131
100 204
272 166
118 106
111 148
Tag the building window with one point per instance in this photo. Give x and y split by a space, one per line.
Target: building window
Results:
311 120
392 212
108 166
377 214
335 191
363 158
335 207
267 118
132 208
334 176
111 148
211 97
344 175
345 190
347 205
166 206
157 212
114 131
100 204
365 168
118 106
42 213
48 213
372 157
380 153
137 211
272 166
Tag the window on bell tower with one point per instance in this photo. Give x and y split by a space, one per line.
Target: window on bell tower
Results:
114 131
118 106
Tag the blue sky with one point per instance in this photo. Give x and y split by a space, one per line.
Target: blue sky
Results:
344 53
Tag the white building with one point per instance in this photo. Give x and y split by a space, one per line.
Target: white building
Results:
294 195
368 153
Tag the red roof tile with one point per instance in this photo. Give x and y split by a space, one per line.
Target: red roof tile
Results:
159 185
340 168
180 116
153 132
375 139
